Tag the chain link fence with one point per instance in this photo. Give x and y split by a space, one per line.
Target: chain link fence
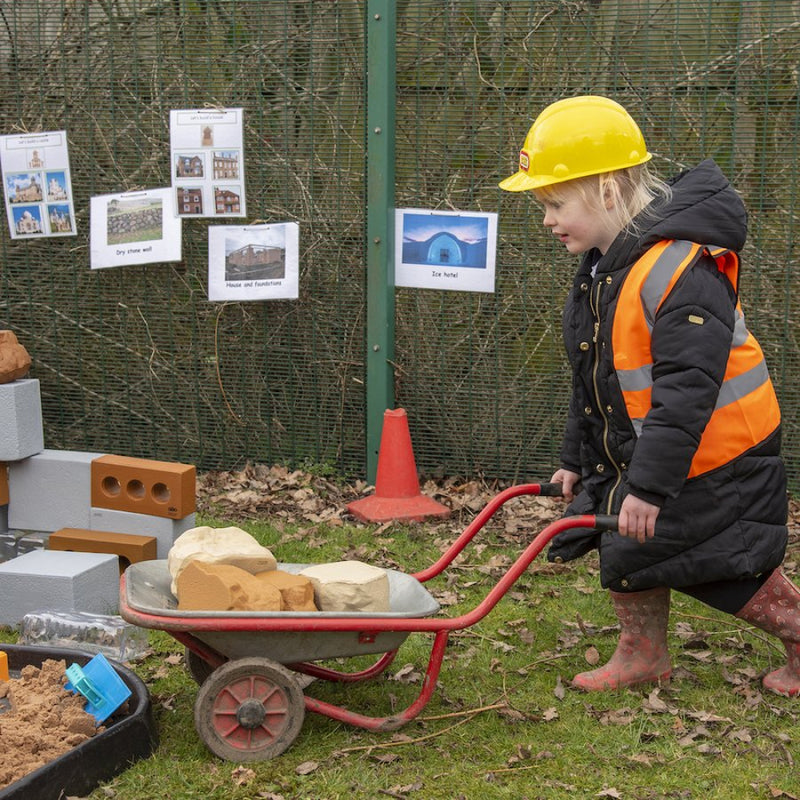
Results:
136 360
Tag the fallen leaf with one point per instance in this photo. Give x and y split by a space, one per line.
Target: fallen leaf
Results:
306 768
241 776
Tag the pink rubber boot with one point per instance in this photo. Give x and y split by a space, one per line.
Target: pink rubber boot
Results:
641 655
775 608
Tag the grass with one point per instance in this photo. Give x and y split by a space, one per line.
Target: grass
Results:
503 722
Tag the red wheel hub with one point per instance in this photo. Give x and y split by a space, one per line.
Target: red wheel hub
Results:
250 713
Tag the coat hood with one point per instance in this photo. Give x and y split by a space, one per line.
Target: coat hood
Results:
704 208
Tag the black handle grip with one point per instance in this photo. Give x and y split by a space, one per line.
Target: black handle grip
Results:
606 522
550 490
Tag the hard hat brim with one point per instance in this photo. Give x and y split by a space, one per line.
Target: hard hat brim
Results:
519 182
522 182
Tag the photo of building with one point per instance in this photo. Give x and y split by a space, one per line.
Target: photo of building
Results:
24 188
226 201
190 200
189 166
60 218
255 262
27 221
226 165
56 186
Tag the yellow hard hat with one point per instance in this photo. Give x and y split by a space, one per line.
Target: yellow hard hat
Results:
576 137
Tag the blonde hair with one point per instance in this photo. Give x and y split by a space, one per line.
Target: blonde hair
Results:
630 191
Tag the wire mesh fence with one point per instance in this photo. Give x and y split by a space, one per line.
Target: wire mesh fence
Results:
137 360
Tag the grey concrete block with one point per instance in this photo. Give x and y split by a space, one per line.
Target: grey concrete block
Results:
164 529
51 490
21 430
58 581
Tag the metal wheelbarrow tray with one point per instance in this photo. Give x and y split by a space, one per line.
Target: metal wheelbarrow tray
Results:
250 706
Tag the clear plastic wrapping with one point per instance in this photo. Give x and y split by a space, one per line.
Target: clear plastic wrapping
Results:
79 630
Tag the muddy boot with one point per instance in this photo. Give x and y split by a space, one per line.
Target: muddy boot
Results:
775 608
641 655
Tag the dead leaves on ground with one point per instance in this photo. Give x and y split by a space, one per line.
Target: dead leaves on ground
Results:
258 491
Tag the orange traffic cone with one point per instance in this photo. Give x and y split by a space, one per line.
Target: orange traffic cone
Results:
397 494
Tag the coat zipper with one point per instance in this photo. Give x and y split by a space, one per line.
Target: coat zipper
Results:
594 303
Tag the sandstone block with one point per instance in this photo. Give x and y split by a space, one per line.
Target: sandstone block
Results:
297 591
349 586
14 359
218 546
222 587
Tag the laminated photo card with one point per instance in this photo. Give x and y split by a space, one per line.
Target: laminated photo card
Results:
37 185
253 262
207 162
134 228
445 249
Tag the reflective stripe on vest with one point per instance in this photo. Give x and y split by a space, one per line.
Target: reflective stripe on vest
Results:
746 411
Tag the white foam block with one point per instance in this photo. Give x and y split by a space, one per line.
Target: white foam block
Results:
21 431
58 580
50 490
165 530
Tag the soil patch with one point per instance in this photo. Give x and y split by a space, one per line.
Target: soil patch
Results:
40 720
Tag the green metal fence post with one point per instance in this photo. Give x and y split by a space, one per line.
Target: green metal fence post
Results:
381 31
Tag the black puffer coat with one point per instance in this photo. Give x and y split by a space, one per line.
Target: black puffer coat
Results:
721 525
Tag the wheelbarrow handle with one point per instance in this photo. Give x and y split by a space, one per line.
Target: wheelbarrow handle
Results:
550 489
606 522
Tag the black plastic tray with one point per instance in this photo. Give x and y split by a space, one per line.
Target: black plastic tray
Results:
126 738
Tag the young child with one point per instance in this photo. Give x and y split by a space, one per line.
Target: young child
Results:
673 423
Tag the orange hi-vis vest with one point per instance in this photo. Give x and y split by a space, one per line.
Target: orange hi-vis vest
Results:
747 411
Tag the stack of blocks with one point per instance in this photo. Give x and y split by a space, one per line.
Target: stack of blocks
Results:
96 513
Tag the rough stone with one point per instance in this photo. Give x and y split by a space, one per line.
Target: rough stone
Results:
14 359
349 586
231 546
296 591
223 587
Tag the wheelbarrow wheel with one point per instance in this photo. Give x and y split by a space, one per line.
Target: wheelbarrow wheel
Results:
197 667
250 709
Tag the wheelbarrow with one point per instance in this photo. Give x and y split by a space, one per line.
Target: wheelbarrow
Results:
251 705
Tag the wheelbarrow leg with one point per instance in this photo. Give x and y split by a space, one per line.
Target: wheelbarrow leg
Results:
396 720
316 671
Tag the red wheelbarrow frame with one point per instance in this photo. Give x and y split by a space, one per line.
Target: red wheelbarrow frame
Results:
183 629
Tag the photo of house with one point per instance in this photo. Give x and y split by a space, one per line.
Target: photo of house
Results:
226 165
189 199
189 166
226 201
255 262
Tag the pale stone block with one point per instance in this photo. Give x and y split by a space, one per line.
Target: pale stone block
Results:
218 546
349 586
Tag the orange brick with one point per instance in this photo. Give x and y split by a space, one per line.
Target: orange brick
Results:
129 547
4 676
160 488
3 484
